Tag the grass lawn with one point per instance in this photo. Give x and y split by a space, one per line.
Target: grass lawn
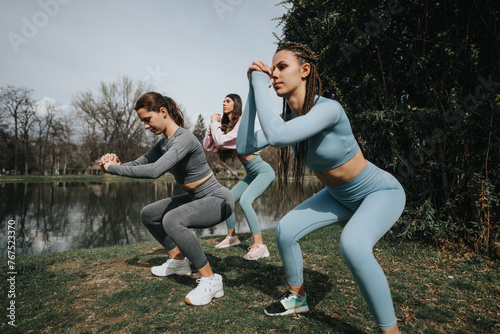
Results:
111 290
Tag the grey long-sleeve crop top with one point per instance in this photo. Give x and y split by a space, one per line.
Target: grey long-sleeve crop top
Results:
182 155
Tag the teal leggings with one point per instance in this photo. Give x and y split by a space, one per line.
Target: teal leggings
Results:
373 201
259 177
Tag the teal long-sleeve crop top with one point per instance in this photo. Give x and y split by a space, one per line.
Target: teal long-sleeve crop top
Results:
331 142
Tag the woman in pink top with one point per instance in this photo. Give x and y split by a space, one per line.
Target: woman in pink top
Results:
221 138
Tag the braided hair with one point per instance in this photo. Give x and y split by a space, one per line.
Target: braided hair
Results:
313 92
228 124
153 101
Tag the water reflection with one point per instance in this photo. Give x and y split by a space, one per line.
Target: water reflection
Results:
58 216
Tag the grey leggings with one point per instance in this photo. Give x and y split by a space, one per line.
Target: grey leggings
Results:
169 220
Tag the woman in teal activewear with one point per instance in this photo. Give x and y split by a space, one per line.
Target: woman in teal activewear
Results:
221 138
317 129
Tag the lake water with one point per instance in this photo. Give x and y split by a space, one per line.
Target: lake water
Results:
58 216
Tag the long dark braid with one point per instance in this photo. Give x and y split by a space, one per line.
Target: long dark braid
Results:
228 124
153 101
313 92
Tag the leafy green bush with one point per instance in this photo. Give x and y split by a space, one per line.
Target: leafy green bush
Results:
419 81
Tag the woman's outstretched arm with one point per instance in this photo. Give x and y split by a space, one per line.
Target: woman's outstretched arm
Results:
279 133
249 141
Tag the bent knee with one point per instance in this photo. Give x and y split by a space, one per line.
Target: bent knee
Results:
282 234
146 216
356 252
246 204
172 221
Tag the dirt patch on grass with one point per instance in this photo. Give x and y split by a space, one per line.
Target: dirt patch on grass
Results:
94 280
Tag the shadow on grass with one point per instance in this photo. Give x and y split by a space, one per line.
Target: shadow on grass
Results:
270 279
337 324
156 261
266 275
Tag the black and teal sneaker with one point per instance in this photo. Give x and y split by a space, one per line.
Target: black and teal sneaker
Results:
289 303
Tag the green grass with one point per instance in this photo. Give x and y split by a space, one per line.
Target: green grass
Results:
111 290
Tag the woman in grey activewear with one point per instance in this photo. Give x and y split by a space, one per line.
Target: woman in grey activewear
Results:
169 220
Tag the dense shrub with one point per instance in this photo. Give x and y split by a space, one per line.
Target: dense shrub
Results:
419 81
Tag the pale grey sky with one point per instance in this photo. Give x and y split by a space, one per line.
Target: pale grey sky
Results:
195 51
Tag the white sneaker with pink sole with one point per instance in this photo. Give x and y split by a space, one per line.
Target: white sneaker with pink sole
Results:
256 252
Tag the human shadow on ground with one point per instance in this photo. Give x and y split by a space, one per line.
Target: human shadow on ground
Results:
271 280
266 277
187 280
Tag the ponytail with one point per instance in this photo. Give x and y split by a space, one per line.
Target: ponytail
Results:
153 101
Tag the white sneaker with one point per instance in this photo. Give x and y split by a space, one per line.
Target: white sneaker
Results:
178 267
207 289
256 252
228 242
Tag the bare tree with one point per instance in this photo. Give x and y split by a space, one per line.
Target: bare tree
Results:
65 135
16 102
111 124
45 124
188 124
4 139
27 119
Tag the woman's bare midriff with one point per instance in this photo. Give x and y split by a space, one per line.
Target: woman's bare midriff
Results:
246 158
192 185
343 173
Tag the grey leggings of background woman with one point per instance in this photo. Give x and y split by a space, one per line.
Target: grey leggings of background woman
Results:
169 220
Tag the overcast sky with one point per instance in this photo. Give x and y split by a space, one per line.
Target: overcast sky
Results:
195 51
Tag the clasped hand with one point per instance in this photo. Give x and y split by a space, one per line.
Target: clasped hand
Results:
109 159
215 118
261 66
